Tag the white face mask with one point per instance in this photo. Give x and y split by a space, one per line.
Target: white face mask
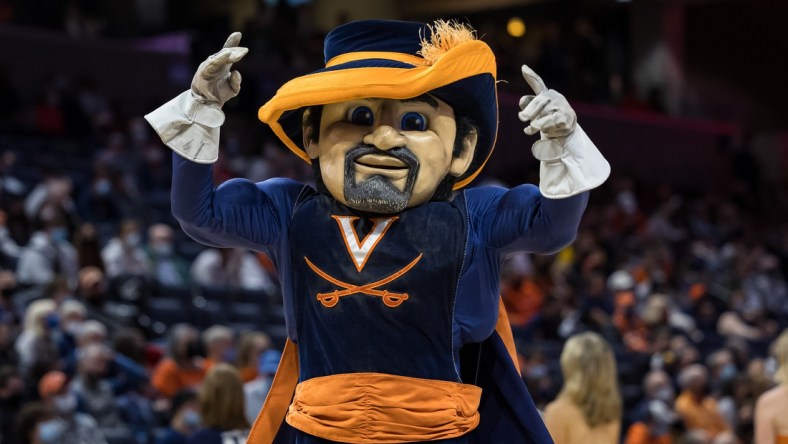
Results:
133 239
50 431
192 419
66 404
665 394
73 328
163 249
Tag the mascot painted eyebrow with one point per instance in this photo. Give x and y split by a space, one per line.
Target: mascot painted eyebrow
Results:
389 267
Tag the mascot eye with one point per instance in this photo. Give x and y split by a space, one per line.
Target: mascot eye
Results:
361 115
413 121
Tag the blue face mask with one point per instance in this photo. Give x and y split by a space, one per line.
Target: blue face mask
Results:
230 355
728 372
192 419
59 234
50 431
52 321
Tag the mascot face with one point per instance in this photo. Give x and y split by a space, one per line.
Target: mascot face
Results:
384 155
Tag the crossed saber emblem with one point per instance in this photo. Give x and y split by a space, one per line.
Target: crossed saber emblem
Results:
390 299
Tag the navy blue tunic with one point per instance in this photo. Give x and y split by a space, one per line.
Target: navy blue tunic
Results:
452 289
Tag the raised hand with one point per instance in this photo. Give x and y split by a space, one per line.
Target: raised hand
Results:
213 80
548 111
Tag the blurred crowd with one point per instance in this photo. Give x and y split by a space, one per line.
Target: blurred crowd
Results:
116 328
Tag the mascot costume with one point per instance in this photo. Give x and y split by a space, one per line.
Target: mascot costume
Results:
389 267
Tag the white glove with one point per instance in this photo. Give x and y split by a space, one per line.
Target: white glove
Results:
189 123
570 162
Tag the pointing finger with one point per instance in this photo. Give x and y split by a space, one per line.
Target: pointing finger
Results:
233 40
236 54
534 81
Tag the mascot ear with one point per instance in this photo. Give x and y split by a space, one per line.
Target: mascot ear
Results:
460 164
310 138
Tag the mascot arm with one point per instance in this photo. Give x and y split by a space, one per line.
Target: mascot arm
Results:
189 124
570 163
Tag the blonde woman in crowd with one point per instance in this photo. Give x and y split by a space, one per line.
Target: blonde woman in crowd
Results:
222 408
771 421
36 344
588 408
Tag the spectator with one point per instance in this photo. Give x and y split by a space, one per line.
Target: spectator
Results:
256 390
654 427
698 410
230 268
771 423
89 332
588 408
12 397
167 266
8 355
72 314
36 345
222 408
47 254
76 427
88 247
94 391
218 341
184 418
37 424
183 368
123 255
51 198
9 249
93 290
251 346
657 387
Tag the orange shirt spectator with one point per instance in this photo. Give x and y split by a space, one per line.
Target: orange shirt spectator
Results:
523 299
638 433
698 411
183 368
169 378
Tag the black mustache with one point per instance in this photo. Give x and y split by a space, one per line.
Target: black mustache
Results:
400 153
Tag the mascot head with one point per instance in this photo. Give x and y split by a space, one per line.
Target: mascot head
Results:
402 113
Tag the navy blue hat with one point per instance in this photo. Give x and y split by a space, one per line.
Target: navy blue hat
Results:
396 60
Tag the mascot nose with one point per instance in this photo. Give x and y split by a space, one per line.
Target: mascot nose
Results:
385 137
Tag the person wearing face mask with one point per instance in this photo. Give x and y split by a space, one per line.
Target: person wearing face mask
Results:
124 255
72 314
168 268
657 386
95 393
48 253
185 418
77 428
183 368
696 408
219 345
655 426
37 424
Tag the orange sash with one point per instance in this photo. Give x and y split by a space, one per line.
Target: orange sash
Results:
405 409
284 385
782 439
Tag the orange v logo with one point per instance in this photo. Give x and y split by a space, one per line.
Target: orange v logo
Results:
361 250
